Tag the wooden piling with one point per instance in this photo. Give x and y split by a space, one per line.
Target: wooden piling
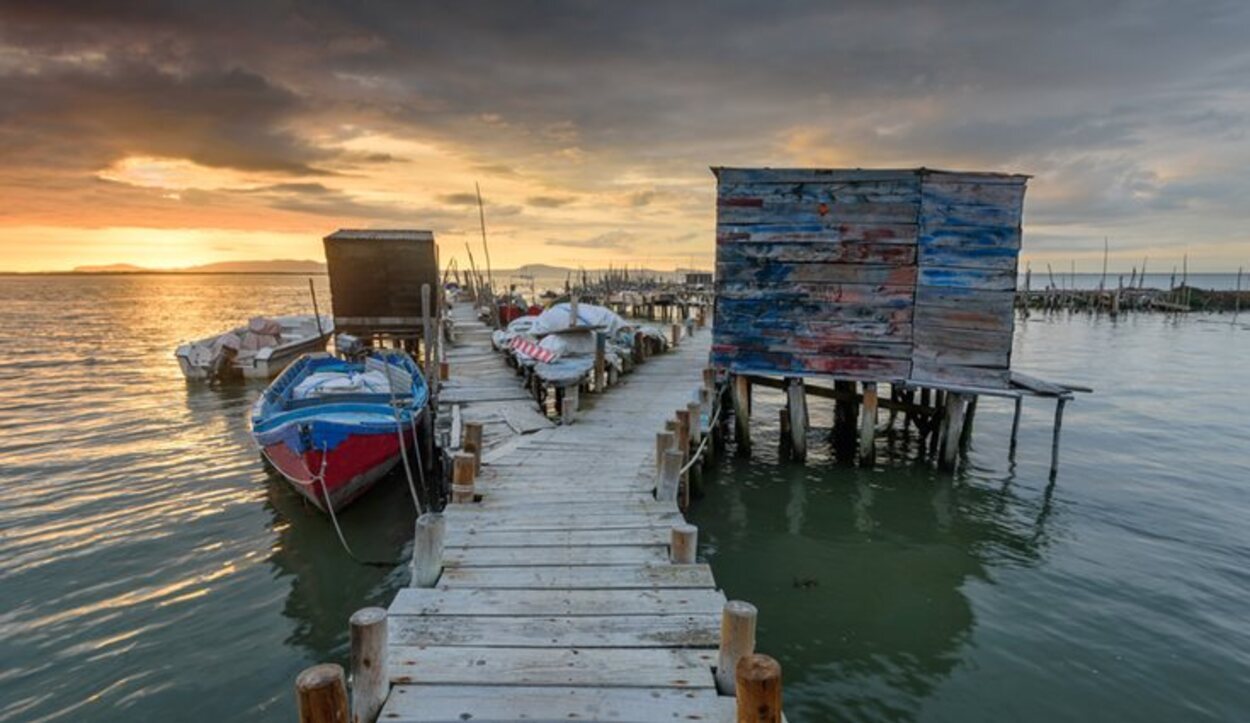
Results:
568 409
868 424
462 478
601 346
1015 422
737 640
684 544
796 403
427 549
965 430
444 371
1054 442
694 412
370 682
664 441
676 333
742 413
758 689
670 476
321 694
952 423
472 444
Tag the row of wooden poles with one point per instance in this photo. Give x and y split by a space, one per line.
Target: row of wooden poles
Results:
943 418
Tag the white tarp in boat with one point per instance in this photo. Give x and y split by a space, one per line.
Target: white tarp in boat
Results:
558 317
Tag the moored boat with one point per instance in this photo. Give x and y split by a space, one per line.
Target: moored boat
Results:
258 350
333 427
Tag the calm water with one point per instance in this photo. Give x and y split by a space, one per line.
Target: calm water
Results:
149 568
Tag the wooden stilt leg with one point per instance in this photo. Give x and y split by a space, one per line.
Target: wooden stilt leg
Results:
1054 443
742 414
868 424
796 397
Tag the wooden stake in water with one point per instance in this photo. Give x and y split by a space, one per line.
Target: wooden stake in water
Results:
312 290
1237 298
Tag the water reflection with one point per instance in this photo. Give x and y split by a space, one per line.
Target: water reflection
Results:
860 575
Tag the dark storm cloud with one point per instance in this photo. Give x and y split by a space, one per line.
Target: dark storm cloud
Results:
1119 109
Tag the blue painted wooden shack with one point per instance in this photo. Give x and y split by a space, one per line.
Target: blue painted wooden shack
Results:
873 275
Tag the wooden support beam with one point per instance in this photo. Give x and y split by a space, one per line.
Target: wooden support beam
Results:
742 414
737 640
684 544
1015 423
845 420
1054 442
321 694
758 694
952 423
473 444
868 424
427 549
796 404
370 682
965 432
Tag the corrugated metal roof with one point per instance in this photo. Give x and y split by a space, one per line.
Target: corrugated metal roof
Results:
380 234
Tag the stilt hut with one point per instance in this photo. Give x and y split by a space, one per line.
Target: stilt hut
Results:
376 280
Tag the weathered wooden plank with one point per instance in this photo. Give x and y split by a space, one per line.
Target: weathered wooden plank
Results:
768 273
793 309
811 212
934 338
457 537
878 295
583 631
788 343
1037 386
556 603
926 371
985 279
589 555
883 254
759 362
948 297
963 357
817 233
938 214
620 667
641 577
486 704
971 317
979 177
969 257
831 192
974 192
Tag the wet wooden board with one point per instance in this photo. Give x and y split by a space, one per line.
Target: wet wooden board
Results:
556 603
547 556
583 631
456 704
625 667
568 577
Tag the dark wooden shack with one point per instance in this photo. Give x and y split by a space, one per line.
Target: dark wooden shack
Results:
376 278
889 275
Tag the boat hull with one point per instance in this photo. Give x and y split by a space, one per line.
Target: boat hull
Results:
343 473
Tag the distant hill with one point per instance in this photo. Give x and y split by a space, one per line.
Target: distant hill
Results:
272 266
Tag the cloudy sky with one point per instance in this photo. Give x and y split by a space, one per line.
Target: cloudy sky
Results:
168 134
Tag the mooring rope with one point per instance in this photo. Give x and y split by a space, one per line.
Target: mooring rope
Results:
399 434
325 494
698 452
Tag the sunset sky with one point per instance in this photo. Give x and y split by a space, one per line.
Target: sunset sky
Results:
172 134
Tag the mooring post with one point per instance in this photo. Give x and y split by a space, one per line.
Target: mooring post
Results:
601 347
472 444
370 682
1015 423
444 371
670 476
758 694
321 694
844 417
676 332
1054 443
796 403
694 412
683 544
742 413
462 477
427 549
737 640
868 424
664 441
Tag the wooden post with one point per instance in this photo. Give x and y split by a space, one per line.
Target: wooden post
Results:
965 432
1054 442
742 413
444 371
568 408
462 477
952 423
573 310
664 441
601 347
796 403
694 411
370 682
868 424
670 476
758 679
844 418
1015 422
472 444
684 544
737 640
676 332
683 431
427 332
321 693
427 549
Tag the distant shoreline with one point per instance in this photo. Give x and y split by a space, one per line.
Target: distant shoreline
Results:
163 273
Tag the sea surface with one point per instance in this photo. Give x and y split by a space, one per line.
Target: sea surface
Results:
150 569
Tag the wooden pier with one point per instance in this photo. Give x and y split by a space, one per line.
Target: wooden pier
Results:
563 585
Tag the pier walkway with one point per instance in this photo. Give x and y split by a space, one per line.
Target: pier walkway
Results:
557 599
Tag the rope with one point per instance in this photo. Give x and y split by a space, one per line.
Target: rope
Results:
399 434
702 443
325 494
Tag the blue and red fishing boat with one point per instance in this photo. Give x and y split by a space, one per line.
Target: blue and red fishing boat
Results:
333 427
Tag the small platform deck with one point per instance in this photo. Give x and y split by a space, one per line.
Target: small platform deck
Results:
557 599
